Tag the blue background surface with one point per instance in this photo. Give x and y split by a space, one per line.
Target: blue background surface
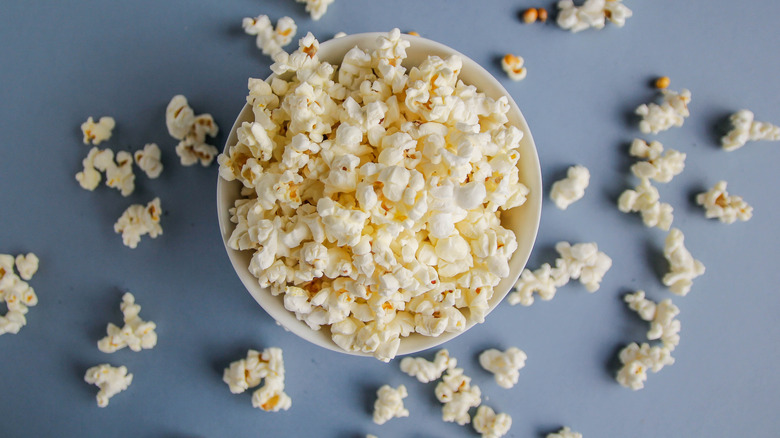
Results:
61 62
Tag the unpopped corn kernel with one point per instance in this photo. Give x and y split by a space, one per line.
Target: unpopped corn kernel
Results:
727 208
110 380
662 82
96 133
530 15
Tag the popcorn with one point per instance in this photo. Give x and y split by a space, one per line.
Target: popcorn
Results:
592 14
148 160
316 8
637 360
683 268
120 175
426 371
718 204
136 333
371 196
513 66
744 128
645 200
663 326
99 132
191 130
138 220
572 188
491 425
390 404
27 265
565 433
89 178
661 168
110 380
671 112
458 396
269 39
15 292
545 281
267 366
504 365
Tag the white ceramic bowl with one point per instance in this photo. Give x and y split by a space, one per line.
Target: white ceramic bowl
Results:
523 220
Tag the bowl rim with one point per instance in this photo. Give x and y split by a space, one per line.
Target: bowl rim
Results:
533 204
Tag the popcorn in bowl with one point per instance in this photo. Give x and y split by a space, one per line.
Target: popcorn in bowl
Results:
369 203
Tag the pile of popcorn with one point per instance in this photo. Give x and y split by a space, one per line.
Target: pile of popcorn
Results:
15 292
371 197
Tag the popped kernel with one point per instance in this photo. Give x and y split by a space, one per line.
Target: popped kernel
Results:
316 8
270 39
15 291
504 365
745 128
683 268
191 131
565 432
96 133
256 368
644 199
390 404
425 371
491 425
513 66
148 160
638 360
136 334
138 220
672 111
661 168
458 396
727 208
661 317
568 190
592 14
110 380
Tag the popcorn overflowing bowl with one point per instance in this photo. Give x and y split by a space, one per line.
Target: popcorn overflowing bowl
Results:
383 204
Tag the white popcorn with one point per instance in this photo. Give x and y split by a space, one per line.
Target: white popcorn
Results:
316 8
513 66
661 315
564 433
645 200
545 281
718 204
426 371
148 160
572 188
26 265
364 174
136 334
585 262
671 112
191 130
592 14
504 365
683 268
269 39
661 168
96 133
110 380
491 425
389 404
745 128
138 220
637 360
120 175
89 178
458 396
267 368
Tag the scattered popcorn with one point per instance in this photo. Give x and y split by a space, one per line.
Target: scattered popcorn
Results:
572 188
110 380
89 178
96 133
316 8
645 200
491 425
426 371
136 333
390 404
269 39
138 220
513 66
661 168
671 112
592 14
661 315
119 173
581 261
744 128
637 360
148 160
504 365
662 82
250 372
27 265
683 268
191 130
565 433
372 195
718 204
530 15
458 396
15 292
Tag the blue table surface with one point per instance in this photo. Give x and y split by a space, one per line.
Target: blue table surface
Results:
61 62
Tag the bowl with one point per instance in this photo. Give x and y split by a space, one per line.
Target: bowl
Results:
523 220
